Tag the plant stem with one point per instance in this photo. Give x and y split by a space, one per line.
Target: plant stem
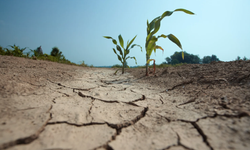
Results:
123 66
147 58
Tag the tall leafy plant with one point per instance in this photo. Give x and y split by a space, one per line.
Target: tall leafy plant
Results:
17 51
122 56
152 28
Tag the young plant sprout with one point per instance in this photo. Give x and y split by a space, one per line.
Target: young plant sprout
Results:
152 28
123 54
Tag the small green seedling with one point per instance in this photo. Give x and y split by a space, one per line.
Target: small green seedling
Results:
151 39
123 54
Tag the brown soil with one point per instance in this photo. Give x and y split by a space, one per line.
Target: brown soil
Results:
47 105
20 75
224 83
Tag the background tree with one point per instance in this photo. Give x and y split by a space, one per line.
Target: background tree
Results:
2 51
57 53
15 51
209 59
39 50
244 58
214 58
238 58
176 58
206 59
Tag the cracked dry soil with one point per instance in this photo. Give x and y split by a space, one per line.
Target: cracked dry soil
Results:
52 106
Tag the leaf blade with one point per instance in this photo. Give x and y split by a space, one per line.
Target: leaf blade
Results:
185 11
136 45
175 40
113 40
119 49
121 40
131 42
132 58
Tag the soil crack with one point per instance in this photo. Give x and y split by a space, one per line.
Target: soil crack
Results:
119 127
180 84
179 141
189 101
129 123
74 124
204 137
140 99
92 103
28 139
80 89
93 98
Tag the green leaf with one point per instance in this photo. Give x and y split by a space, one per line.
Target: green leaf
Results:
119 49
159 47
107 37
150 60
151 26
148 30
126 52
119 57
114 51
175 40
131 42
151 45
164 36
136 45
132 58
121 40
149 37
157 26
184 10
182 55
166 13
114 41
116 71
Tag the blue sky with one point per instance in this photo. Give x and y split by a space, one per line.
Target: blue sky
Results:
77 27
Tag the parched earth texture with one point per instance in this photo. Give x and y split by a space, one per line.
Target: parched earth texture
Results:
51 106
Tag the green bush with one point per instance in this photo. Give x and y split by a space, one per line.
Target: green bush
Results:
2 51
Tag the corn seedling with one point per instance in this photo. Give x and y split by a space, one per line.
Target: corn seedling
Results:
151 39
122 56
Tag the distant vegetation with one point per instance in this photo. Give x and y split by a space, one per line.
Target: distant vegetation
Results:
55 56
244 58
192 59
189 59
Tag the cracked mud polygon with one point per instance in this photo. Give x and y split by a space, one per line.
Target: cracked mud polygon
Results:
52 106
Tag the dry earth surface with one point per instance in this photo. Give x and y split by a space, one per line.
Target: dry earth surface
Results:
52 106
